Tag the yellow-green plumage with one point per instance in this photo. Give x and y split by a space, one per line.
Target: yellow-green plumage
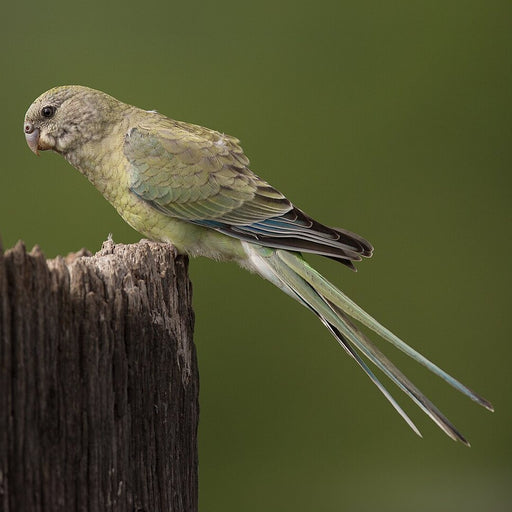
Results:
191 186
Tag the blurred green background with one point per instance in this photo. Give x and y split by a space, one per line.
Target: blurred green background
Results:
392 119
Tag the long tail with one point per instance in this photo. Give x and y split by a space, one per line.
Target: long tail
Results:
290 272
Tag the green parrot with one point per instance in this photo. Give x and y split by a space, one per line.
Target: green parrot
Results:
191 186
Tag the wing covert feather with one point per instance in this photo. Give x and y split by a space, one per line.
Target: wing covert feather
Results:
195 174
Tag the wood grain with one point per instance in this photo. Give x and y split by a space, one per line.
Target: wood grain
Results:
98 381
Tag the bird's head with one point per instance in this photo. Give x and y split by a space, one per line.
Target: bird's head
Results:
65 117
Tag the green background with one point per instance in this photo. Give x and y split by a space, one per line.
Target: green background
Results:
392 119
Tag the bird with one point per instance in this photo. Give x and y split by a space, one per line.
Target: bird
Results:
191 186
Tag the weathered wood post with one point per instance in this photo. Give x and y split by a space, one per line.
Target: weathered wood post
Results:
98 381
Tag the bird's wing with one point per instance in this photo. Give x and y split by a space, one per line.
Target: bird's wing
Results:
202 176
198 174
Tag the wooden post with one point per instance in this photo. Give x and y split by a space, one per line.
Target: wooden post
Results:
98 381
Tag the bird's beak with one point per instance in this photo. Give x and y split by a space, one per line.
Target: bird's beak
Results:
32 137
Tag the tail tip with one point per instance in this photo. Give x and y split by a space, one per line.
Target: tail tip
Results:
483 402
488 406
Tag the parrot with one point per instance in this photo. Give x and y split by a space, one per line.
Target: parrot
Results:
191 186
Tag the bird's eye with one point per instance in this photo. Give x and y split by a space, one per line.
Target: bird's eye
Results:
48 111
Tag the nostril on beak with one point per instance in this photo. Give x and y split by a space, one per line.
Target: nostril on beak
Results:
32 136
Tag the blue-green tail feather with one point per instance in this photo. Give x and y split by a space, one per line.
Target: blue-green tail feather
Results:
293 275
